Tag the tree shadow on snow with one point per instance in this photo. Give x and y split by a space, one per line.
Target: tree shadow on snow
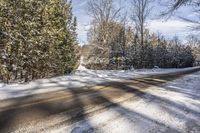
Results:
75 107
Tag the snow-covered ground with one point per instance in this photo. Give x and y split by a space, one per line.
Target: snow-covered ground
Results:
82 77
173 107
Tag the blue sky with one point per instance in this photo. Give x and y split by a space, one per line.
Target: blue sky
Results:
169 28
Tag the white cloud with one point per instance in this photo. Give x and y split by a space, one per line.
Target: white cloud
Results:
169 28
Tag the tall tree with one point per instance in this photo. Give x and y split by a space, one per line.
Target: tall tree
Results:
141 10
102 12
104 15
37 38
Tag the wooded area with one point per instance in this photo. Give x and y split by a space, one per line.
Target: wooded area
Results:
117 45
38 38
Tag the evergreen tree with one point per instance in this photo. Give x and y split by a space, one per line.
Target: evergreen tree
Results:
38 39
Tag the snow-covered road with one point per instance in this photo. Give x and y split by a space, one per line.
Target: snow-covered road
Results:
158 104
173 107
79 79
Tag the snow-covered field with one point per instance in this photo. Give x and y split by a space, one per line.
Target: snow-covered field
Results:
80 78
173 107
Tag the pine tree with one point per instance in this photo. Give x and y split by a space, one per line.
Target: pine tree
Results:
38 39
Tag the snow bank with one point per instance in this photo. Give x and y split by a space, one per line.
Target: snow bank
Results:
81 78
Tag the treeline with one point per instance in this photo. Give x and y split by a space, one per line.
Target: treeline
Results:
37 39
126 52
117 45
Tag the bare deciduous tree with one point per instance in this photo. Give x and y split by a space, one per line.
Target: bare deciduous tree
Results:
103 12
178 3
175 5
140 12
